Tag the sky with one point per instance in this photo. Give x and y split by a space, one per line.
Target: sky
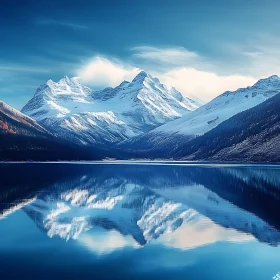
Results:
202 47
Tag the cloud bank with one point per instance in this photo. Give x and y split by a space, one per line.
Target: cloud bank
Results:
100 72
204 85
187 71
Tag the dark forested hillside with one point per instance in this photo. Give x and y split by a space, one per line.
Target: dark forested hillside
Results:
16 147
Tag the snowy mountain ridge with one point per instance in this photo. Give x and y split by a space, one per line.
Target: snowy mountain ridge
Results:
74 111
223 107
174 133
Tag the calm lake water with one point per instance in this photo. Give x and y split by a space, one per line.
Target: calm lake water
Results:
139 221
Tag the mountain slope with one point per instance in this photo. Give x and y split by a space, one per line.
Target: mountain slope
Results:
173 134
223 107
74 112
252 135
22 138
14 122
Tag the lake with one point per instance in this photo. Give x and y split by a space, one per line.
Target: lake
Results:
139 221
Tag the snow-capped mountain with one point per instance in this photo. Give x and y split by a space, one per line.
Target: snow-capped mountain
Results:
252 135
174 133
73 111
223 107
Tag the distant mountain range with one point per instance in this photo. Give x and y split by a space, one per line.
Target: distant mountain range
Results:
144 119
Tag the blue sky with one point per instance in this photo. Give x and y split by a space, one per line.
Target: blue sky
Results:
201 47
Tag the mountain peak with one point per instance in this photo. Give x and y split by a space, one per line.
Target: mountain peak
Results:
140 76
123 83
66 80
273 77
265 81
49 82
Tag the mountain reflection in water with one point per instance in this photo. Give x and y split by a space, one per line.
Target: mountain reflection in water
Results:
109 206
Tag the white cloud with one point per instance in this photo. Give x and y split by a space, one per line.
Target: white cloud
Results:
103 72
187 71
20 68
50 21
258 56
171 56
204 85
253 54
